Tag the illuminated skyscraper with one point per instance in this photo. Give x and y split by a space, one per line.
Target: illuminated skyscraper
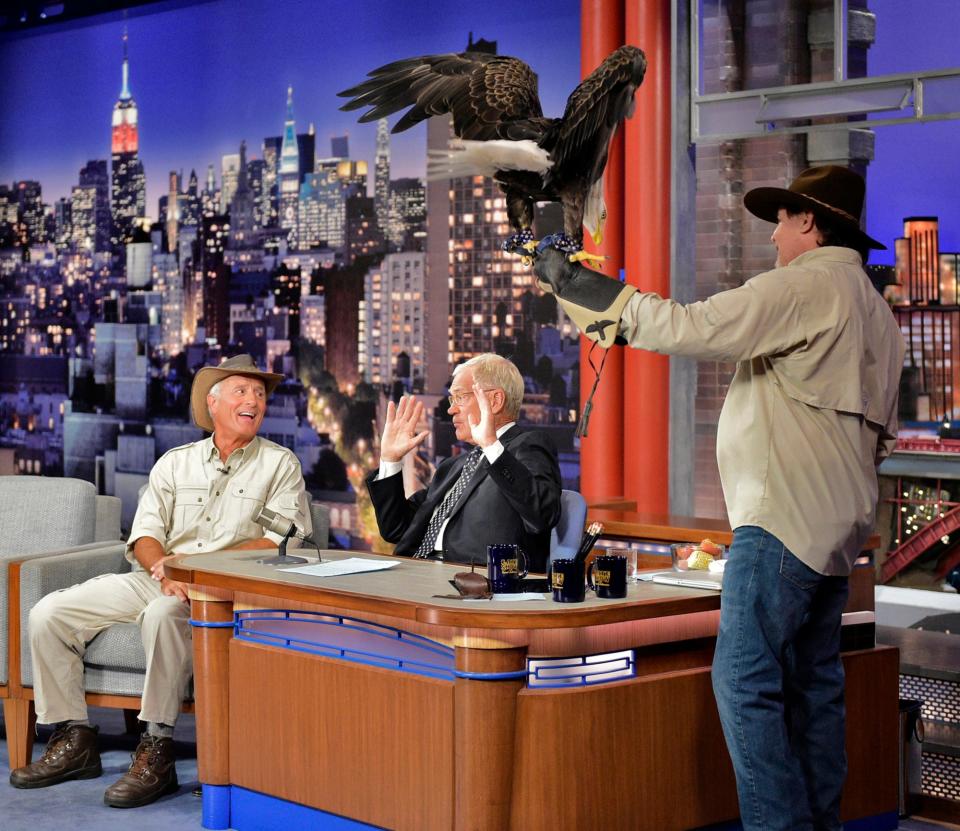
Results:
229 170
407 215
210 197
173 211
242 207
214 233
30 212
381 182
392 317
63 219
83 204
128 191
487 284
255 177
94 174
191 203
289 175
362 234
271 187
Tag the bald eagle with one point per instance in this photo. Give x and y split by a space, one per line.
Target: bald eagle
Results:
501 130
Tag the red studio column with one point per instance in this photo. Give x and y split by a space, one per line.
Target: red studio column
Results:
601 452
646 376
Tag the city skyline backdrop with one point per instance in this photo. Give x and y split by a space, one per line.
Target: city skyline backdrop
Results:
192 110
251 53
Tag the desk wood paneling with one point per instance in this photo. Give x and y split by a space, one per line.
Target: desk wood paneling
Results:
407 752
650 753
354 740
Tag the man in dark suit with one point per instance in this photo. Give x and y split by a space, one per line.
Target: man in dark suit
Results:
505 490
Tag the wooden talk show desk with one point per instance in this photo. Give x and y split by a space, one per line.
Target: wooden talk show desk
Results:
297 719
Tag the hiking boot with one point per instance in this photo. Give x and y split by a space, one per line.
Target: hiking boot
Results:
71 753
152 774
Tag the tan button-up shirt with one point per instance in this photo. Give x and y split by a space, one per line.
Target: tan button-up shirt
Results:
194 503
812 408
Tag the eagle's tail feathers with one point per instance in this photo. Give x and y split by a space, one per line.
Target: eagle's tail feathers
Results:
485 158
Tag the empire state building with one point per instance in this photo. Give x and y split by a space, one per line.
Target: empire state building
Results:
128 190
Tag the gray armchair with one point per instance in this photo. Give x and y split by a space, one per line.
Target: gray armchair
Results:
115 663
41 517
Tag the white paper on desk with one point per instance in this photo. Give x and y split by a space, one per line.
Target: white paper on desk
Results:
337 568
511 598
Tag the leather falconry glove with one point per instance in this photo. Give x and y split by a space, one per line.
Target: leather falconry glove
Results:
593 301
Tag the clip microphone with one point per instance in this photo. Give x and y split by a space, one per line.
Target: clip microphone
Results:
272 521
223 469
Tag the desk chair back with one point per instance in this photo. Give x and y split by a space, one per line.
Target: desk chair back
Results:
565 538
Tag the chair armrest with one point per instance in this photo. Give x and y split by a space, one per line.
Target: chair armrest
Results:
41 575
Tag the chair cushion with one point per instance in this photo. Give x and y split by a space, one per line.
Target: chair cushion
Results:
117 647
115 662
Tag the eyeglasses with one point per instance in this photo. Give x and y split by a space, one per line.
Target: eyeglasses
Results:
458 399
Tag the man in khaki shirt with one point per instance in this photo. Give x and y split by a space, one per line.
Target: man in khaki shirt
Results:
201 497
810 412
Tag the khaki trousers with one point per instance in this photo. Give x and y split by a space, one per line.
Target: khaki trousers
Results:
64 622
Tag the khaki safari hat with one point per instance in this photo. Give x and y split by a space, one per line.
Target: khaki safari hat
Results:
830 191
207 376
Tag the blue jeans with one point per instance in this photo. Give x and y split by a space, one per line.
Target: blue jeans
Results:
778 681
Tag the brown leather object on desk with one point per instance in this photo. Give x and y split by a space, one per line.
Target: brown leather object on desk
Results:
667 528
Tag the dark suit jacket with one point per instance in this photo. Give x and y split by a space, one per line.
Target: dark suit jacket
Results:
514 500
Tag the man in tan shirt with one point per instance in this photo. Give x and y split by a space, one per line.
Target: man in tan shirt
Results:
810 412
201 497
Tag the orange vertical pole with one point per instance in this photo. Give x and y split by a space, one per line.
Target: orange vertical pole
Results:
646 376
601 452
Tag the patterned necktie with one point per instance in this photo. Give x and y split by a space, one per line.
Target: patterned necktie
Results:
446 506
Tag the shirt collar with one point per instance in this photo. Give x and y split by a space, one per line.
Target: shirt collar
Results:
835 253
505 427
249 449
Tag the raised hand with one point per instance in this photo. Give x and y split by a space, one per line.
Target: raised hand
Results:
482 429
400 429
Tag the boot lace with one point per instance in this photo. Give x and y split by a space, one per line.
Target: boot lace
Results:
145 757
60 742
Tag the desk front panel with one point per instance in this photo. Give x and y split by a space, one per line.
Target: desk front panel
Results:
358 741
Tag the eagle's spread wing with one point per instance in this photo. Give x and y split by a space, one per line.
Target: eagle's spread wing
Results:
594 110
490 97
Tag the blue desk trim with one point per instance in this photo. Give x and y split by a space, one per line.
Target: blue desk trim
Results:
253 811
210 624
492 676
216 807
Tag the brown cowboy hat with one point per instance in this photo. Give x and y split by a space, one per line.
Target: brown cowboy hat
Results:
830 191
207 376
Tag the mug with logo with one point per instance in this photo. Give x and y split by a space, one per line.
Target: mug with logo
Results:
607 576
506 565
566 580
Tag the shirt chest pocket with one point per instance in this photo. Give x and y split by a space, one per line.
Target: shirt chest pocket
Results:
188 505
245 503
